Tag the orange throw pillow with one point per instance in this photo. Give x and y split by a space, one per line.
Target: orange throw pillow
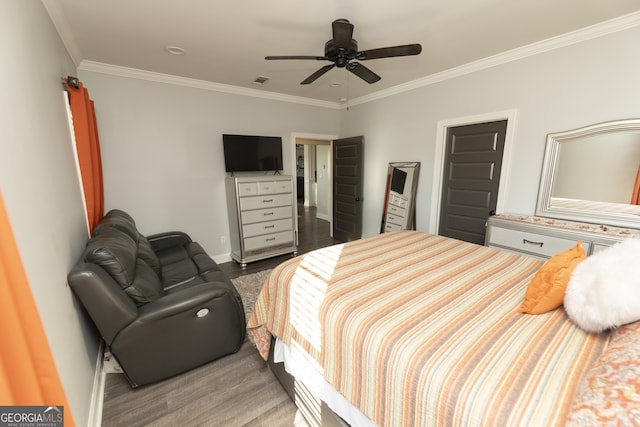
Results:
547 288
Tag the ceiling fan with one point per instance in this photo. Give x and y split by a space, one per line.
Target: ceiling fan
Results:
342 50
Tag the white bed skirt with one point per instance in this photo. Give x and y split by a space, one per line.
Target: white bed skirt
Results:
297 365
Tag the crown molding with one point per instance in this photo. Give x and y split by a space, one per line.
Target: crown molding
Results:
134 73
594 31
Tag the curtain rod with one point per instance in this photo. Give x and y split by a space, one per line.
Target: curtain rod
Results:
70 80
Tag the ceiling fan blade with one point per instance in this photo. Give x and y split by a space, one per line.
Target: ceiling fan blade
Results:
313 77
388 52
342 34
317 58
363 72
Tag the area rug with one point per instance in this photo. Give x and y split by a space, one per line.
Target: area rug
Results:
249 287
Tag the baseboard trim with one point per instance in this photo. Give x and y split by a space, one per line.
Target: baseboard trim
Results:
219 259
97 396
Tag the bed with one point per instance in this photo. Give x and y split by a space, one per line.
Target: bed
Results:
409 328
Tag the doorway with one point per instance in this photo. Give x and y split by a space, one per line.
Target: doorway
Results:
443 127
313 179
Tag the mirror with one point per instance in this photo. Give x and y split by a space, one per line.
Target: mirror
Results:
592 174
400 197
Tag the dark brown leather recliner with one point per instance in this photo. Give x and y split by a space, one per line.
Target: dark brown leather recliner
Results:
161 304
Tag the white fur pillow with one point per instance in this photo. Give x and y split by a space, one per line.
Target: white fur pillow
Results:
604 290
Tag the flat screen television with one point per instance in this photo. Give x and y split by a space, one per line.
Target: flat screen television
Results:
251 153
398 180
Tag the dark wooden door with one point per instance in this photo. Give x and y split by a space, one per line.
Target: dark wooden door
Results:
471 176
348 164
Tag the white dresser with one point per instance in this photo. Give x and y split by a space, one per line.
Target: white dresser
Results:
260 216
545 237
397 213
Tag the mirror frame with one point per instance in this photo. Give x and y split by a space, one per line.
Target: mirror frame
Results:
545 206
407 199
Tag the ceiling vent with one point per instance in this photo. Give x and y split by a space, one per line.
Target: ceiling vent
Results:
260 80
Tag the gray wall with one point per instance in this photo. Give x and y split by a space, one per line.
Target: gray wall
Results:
41 190
577 85
162 149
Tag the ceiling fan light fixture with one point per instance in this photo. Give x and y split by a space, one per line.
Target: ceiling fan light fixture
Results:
335 84
175 50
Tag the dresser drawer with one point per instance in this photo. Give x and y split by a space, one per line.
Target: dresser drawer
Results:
265 201
394 219
273 187
259 228
395 210
249 217
398 201
258 242
247 189
266 187
537 244
388 226
284 186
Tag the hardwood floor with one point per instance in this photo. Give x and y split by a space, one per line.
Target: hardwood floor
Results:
313 233
236 390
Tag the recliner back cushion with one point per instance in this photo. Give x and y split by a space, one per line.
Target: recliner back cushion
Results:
119 220
117 254
146 253
146 286
182 263
122 221
114 252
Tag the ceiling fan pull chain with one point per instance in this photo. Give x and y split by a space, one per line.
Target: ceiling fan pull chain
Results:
348 95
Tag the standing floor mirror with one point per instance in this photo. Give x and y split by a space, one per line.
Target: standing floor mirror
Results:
400 197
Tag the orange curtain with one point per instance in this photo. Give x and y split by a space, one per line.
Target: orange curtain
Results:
635 197
28 375
88 147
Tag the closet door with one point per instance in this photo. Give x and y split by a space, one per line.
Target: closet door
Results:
471 177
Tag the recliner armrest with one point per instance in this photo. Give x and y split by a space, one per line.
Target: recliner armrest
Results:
169 239
109 306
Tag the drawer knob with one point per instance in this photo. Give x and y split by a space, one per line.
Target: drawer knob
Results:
530 242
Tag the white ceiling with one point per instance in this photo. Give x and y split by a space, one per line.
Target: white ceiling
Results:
225 41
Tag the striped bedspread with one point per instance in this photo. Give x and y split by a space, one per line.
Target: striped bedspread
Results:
417 329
